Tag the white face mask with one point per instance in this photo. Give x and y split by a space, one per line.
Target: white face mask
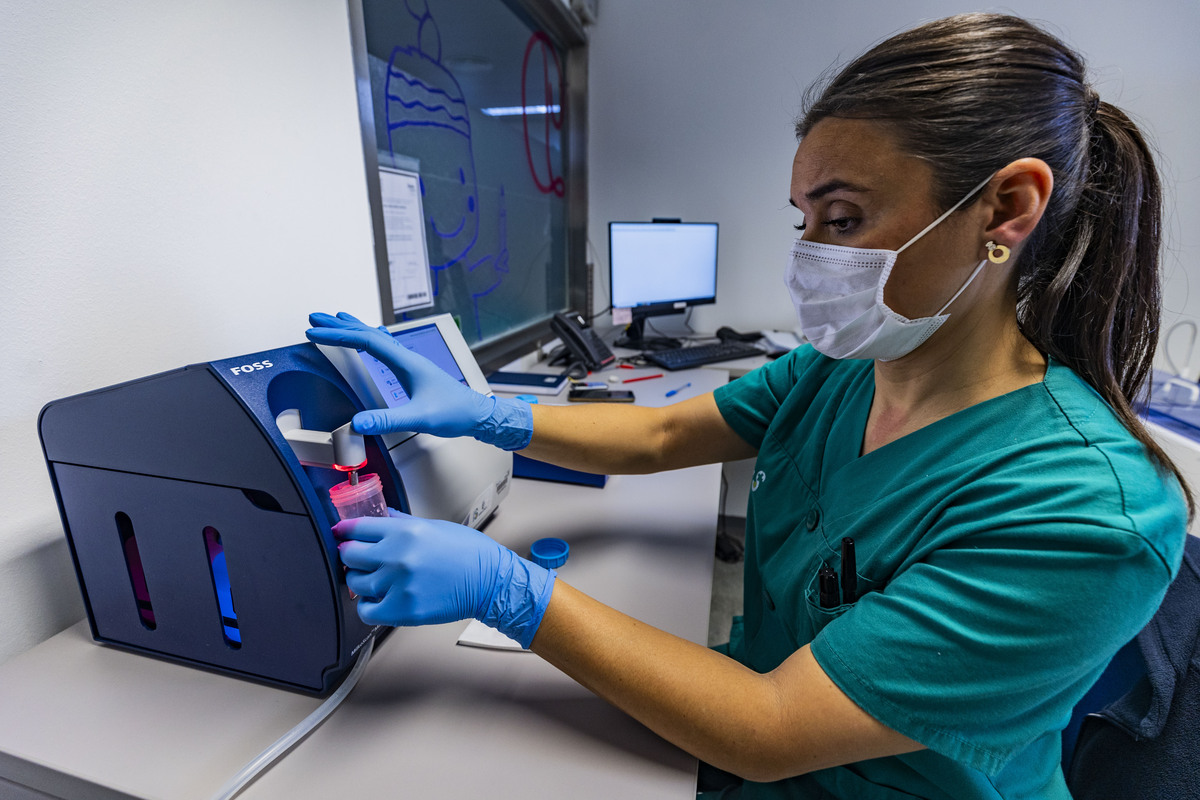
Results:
838 294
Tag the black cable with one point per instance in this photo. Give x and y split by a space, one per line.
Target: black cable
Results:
598 314
721 504
729 549
607 289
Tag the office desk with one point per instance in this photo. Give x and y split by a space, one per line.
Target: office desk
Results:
428 719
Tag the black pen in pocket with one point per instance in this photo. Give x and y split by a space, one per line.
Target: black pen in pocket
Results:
849 572
827 583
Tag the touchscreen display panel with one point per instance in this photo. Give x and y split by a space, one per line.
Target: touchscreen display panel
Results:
426 341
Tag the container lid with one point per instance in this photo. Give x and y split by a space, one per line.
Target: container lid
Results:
345 492
549 552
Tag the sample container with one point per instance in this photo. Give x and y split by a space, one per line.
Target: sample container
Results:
362 500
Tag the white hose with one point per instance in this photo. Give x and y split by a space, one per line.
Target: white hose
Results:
266 758
1185 371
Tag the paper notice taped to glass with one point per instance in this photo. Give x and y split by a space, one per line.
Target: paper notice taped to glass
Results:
404 228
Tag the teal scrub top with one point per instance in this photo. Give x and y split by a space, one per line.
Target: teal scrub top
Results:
1004 554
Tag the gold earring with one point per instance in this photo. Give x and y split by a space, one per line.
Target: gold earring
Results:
997 253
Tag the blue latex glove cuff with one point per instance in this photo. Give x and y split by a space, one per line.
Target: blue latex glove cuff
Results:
412 571
508 426
519 598
438 403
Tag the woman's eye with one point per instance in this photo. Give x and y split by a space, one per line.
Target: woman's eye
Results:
841 224
838 225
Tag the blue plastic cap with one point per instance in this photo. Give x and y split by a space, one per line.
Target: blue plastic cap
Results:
549 552
528 398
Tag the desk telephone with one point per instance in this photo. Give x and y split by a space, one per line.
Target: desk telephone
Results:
582 342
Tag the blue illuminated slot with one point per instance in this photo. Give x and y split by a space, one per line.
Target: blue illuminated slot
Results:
220 576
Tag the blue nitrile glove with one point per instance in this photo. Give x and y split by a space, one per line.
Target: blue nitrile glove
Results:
412 571
438 403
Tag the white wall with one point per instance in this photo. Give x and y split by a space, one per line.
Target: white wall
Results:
184 181
179 182
692 104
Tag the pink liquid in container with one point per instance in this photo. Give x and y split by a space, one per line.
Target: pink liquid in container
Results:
362 500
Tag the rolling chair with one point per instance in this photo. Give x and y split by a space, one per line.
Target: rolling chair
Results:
1136 733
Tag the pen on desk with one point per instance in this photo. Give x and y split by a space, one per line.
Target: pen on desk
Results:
642 378
827 580
849 571
674 392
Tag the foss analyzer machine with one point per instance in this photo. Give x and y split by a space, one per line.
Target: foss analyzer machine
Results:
197 502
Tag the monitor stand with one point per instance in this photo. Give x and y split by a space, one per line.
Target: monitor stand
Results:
635 338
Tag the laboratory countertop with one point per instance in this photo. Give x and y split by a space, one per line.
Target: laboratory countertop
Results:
429 718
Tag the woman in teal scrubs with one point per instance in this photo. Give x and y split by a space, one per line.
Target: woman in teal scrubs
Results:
977 276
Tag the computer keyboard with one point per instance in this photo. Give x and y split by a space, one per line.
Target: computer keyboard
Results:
685 357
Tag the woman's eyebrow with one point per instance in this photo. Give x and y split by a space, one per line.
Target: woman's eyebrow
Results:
833 186
826 188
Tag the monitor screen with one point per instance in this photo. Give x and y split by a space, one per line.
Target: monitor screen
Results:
662 267
425 340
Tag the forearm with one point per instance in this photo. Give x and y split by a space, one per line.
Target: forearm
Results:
760 726
598 437
623 439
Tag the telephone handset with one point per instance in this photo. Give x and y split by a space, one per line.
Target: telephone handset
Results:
583 342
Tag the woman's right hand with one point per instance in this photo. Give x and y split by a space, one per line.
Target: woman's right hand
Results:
412 571
438 404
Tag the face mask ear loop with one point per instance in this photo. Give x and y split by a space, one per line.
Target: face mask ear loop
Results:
962 288
953 208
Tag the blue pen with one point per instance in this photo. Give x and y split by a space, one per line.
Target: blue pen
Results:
674 392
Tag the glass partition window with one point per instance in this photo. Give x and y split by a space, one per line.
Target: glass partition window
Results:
469 95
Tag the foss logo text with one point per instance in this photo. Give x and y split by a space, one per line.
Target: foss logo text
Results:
244 368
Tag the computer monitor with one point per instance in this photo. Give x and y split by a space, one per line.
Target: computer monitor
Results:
661 267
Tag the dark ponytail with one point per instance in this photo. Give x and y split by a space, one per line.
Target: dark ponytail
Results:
1093 301
971 93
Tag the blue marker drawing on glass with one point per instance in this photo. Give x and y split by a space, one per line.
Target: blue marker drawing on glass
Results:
427 117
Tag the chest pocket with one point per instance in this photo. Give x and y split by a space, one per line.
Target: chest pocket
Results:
841 571
822 596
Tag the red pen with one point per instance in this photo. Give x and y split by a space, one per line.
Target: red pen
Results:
642 378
